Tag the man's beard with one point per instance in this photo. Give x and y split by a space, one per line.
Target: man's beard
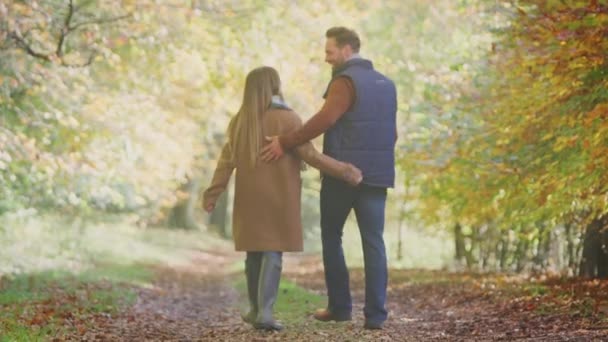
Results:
338 64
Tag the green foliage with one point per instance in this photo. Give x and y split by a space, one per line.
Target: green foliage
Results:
38 244
53 268
527 137
122 132
62 293
295 303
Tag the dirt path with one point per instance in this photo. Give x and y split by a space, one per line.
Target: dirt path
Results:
438 306
199 303
192 303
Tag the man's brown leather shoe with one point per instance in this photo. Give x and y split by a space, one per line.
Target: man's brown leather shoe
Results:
325 315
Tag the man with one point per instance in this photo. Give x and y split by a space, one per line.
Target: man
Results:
358 120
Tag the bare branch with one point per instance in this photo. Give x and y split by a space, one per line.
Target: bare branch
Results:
68 27
99 21
23 44
80 65
65 30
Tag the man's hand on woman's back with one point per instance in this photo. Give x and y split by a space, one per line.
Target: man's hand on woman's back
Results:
273 150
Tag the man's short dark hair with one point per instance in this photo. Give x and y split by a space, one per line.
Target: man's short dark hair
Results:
344 36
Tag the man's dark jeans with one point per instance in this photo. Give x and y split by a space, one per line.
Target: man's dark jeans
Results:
337 200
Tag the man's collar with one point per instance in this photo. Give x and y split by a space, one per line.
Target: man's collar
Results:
354 56
353 60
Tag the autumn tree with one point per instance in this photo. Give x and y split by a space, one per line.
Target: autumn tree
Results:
528 157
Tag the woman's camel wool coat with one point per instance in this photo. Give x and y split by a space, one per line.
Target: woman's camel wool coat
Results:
266 213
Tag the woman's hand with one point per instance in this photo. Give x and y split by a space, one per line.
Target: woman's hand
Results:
208 207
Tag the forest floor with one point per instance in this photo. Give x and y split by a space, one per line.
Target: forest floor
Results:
202 300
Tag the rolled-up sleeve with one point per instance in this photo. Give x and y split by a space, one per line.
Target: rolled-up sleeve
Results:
340 97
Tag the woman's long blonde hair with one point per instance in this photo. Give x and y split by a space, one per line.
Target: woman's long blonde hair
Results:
245 129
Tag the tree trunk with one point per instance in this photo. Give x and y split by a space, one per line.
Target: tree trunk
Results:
459 242
484 250
547 247
402 216
504 249
594 262
468 252
520 255
486 242
542 246
570 246
182 214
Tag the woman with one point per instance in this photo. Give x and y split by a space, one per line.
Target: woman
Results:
266 215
